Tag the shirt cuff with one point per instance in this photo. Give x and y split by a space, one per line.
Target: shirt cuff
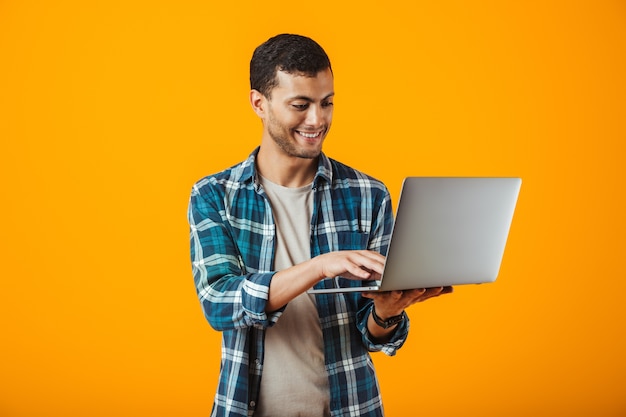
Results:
398 337
255 293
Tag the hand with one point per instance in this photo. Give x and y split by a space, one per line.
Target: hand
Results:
291 282
393 303
356 264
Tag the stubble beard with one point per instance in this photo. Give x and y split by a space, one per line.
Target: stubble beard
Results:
281 138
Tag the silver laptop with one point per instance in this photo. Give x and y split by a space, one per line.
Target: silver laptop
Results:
447 231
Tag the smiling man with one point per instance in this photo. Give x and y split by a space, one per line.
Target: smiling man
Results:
297 113
286 219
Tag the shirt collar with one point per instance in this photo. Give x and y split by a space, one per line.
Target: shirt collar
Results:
249 171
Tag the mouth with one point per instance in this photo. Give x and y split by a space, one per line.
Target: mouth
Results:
309 135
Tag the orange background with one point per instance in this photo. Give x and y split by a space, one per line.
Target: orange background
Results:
110 110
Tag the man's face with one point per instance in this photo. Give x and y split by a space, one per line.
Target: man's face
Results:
299 113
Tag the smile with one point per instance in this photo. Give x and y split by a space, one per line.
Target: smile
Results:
311 135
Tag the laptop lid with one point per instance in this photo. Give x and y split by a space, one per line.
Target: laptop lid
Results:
447 231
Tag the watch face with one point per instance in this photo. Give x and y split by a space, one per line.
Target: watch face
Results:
394 320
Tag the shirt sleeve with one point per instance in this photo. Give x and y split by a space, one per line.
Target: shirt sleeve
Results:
230 297
391 347
379 241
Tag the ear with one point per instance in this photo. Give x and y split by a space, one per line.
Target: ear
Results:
258 102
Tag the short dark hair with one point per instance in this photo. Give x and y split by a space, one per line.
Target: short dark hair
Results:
285 52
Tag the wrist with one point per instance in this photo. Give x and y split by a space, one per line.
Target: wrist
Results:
387 322
317 265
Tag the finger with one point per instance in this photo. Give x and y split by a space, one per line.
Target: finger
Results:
390 300
396 295
354 271
376 256
368 260
417 292
375 294
420 294
414 295
433 291
436 291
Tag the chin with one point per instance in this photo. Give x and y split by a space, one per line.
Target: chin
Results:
308 155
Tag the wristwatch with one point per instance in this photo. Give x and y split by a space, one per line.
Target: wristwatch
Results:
391 321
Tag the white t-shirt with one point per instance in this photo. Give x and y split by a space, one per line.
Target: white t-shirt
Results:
294 380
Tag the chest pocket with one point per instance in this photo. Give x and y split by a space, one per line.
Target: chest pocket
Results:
348 240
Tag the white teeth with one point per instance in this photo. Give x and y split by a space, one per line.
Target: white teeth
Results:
309 135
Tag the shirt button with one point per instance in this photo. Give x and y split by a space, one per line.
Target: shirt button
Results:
252 404
257 361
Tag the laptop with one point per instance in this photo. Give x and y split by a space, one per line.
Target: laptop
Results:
447 231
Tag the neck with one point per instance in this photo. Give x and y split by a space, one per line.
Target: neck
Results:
285 170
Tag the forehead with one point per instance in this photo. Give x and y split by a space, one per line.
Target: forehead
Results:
298 84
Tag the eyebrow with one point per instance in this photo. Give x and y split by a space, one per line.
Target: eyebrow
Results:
309 99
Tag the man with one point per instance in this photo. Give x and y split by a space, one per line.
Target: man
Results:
284 220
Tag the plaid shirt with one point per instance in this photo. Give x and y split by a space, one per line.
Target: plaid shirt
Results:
232 251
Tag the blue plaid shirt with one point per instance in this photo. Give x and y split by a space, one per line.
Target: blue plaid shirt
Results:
232 251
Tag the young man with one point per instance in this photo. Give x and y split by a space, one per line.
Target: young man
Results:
284 220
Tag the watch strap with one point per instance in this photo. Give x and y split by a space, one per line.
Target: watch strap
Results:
391 321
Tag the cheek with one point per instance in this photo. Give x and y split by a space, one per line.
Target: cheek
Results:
286 119
329 114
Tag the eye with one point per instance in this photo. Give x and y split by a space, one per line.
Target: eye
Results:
327 104
300 107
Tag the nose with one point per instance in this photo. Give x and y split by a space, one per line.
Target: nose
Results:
315 116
